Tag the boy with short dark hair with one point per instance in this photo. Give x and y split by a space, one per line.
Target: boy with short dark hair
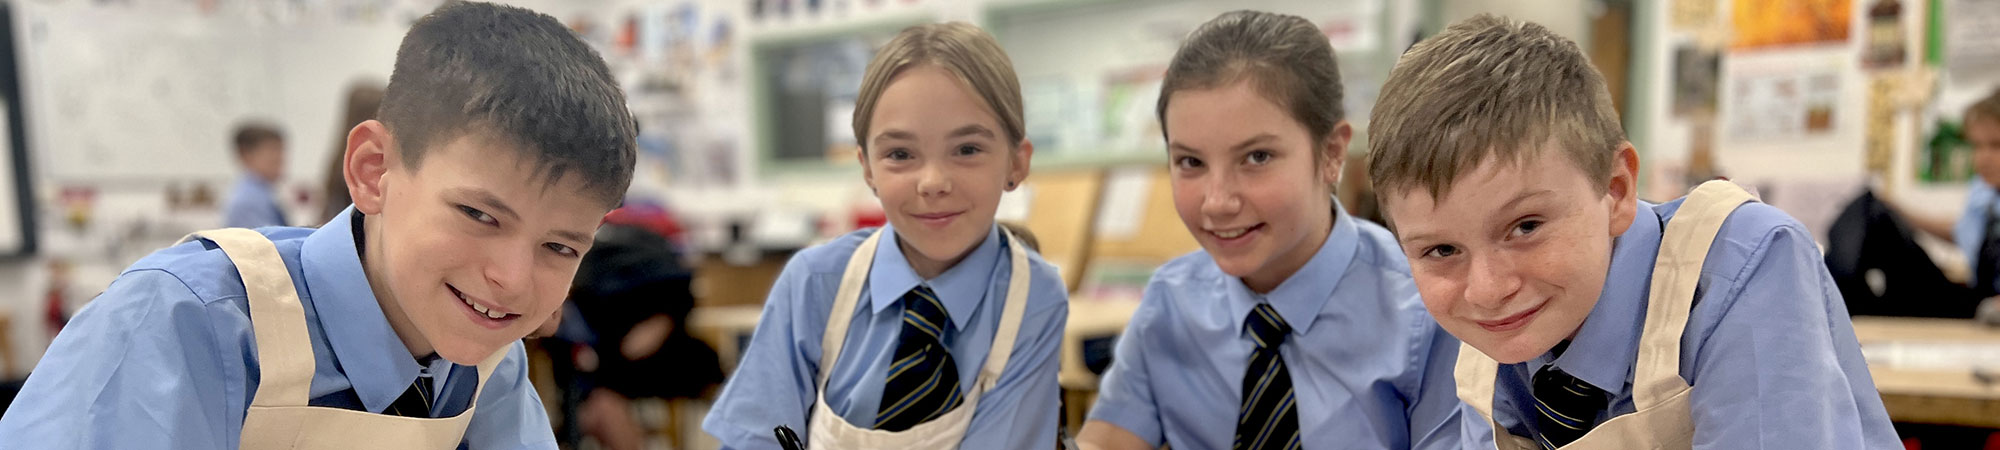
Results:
253 203
1592 319
502 143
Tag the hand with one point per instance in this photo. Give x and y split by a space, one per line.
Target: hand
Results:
1989 311
548 327
646 338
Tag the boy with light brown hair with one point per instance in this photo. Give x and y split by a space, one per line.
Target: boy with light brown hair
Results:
1593 319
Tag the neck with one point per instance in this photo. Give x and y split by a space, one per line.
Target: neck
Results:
370 247
1285 265
926 267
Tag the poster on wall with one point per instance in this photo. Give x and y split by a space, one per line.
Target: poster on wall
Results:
1972 39
1696 72
1783 105
1784 23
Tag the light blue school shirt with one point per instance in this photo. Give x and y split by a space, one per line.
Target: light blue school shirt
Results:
253 203
776 381
1371 369
1769 347
1970 231
165 358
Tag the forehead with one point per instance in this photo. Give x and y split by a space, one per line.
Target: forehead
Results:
1221 116
926 98
479 163
1481 192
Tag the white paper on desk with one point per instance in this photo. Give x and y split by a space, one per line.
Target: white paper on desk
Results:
1014 205
1940 355
1125 194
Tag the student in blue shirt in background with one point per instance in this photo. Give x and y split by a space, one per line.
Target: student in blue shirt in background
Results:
1296 325
503 141
1593 319
253 203
938 330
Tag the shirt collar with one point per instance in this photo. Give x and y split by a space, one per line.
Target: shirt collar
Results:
1607 344
961 287
1300 298
368 351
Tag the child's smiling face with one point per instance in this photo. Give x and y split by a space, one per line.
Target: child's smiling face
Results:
939 159
1513 257
476 231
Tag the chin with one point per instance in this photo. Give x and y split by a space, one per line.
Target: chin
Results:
1513 348
466 352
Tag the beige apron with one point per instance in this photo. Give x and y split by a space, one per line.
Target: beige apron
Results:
1662 419
279 417
828 430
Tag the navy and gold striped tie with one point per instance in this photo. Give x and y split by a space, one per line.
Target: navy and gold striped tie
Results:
1269 418
1566 407
923 380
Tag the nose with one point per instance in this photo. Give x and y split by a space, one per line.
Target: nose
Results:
932 181
1491 281
1221 199
507 269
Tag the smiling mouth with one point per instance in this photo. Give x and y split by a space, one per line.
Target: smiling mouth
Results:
1234 233
489 313
1510 323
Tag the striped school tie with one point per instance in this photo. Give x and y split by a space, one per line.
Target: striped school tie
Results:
1566 407
923 380
415 402
1269 418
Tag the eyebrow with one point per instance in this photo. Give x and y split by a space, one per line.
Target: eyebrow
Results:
971 130
1252 141
896 134
1524 196
486 199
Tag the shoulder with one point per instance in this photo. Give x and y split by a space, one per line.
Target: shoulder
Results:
830 257
1175 287
1377 250
206 271
1747 237
1045 283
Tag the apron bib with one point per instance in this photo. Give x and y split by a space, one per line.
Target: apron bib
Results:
828 430
1662 419
279 417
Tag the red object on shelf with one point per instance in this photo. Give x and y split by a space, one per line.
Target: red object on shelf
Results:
869 217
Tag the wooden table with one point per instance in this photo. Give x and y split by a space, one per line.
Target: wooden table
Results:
1933 396
722 327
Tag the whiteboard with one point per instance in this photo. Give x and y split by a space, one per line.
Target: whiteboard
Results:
118 95
130 95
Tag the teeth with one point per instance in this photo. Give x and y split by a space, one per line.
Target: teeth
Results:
491 314
1230 234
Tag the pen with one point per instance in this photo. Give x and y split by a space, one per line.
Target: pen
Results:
787 438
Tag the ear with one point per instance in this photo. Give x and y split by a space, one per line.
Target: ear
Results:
1017 170
1333 153
1623 191
370 154
867 173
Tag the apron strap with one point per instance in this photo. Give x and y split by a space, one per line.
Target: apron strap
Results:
843 305
1010 314
1683 248
486 371
1475 373
284 352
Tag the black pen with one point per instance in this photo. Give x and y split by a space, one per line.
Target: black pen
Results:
787 438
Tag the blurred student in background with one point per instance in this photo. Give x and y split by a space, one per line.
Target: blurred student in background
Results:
260 149
363 98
